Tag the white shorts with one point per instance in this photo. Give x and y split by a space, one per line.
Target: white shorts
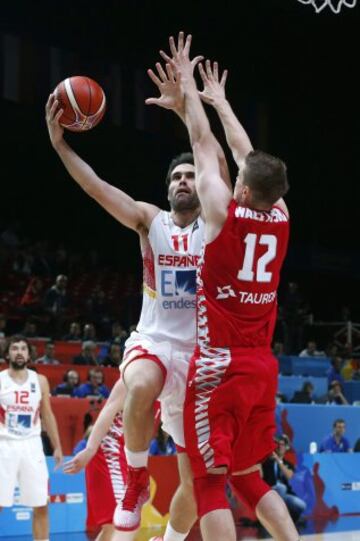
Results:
175 364
23 464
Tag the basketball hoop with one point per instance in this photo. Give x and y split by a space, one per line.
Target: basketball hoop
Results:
334 5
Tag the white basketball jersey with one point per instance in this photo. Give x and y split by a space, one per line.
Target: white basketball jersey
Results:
170 261
19 406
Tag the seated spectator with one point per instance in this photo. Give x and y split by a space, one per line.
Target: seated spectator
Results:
30 329
334 395
277 472
336 442
356 371
33 353
71 381
74 334
94 386
357 446
334 372
305 395
49 355
114 357
80 446
88 354
163 444
311 351
89 332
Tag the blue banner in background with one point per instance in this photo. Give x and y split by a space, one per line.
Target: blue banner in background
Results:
67 508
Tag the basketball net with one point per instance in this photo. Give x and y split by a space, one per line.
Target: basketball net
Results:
334 5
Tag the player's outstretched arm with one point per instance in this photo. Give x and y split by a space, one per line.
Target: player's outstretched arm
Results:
214 194
236 136
49 419
214 94
136 215
172 97
114 405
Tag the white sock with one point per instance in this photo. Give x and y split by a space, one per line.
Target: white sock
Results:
139 459
173 535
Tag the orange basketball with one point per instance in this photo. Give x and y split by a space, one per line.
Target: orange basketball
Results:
83 102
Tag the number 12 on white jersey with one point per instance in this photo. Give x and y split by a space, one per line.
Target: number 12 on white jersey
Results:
247 272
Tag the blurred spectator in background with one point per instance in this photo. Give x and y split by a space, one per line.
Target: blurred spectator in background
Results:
278 349
31 301
33 353
277 472
56 299
305 395
334 395
294 313
71 381
49 355
163 444
88 354
357 446
334 372
74 333
311 350
94 386
336 442
89 332
114 357
118 335
98 311
30 329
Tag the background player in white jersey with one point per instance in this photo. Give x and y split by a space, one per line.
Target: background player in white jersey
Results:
229 355
24 402
170 244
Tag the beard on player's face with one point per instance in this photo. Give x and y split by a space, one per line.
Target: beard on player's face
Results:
183 202
19 363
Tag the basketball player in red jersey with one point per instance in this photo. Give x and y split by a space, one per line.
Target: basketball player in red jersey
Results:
230 404
24 403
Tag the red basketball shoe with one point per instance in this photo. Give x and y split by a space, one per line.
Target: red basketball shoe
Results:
127 514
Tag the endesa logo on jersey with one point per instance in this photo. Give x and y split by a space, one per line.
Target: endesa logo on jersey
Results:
178 283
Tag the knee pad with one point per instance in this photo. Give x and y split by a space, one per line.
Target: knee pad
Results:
250 488
210 493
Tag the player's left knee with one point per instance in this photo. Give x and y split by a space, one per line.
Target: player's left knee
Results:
210 493
250 487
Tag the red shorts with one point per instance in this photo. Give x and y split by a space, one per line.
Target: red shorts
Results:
229 413
105 482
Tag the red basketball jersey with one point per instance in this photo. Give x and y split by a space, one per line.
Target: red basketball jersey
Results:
238 278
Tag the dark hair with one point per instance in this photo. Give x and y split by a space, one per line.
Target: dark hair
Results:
306 386
338 421
184 157
266 176
14 339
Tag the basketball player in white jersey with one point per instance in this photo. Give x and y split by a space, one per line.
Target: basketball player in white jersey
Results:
24 399
157 354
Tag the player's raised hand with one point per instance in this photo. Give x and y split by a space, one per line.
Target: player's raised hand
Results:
214 89
180 60
78 462
52 115
171 94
